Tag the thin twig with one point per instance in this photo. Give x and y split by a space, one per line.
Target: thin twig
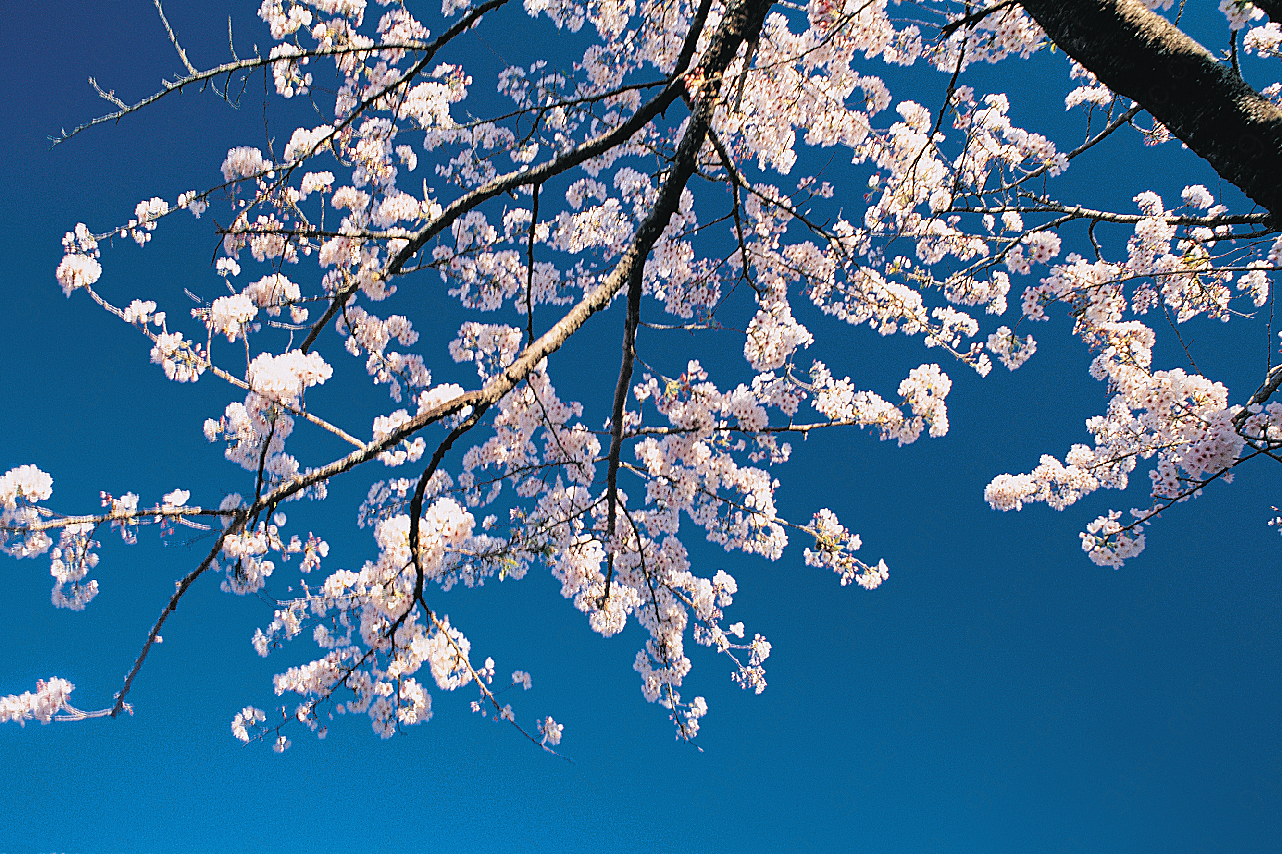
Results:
182 54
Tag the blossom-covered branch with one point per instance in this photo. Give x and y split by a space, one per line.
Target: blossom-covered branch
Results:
648 179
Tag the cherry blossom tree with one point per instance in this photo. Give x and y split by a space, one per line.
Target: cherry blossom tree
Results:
653 182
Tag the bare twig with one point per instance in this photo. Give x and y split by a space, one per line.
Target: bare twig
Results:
182 54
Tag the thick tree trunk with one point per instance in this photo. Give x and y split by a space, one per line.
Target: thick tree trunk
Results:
1139 54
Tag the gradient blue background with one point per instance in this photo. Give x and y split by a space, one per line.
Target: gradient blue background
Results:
998 694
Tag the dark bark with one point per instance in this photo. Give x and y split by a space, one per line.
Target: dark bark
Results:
1272 8
1139 54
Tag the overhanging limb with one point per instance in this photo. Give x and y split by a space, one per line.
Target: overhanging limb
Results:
1140 54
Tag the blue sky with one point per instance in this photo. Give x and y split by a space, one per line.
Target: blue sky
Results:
999 693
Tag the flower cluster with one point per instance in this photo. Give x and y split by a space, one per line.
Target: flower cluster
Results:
531 219
79 268
50 697
70 562
21 489
833 550
1240 13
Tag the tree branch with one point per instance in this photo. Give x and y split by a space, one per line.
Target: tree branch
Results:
973 18
617 415
586 151
181 588
1139 54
